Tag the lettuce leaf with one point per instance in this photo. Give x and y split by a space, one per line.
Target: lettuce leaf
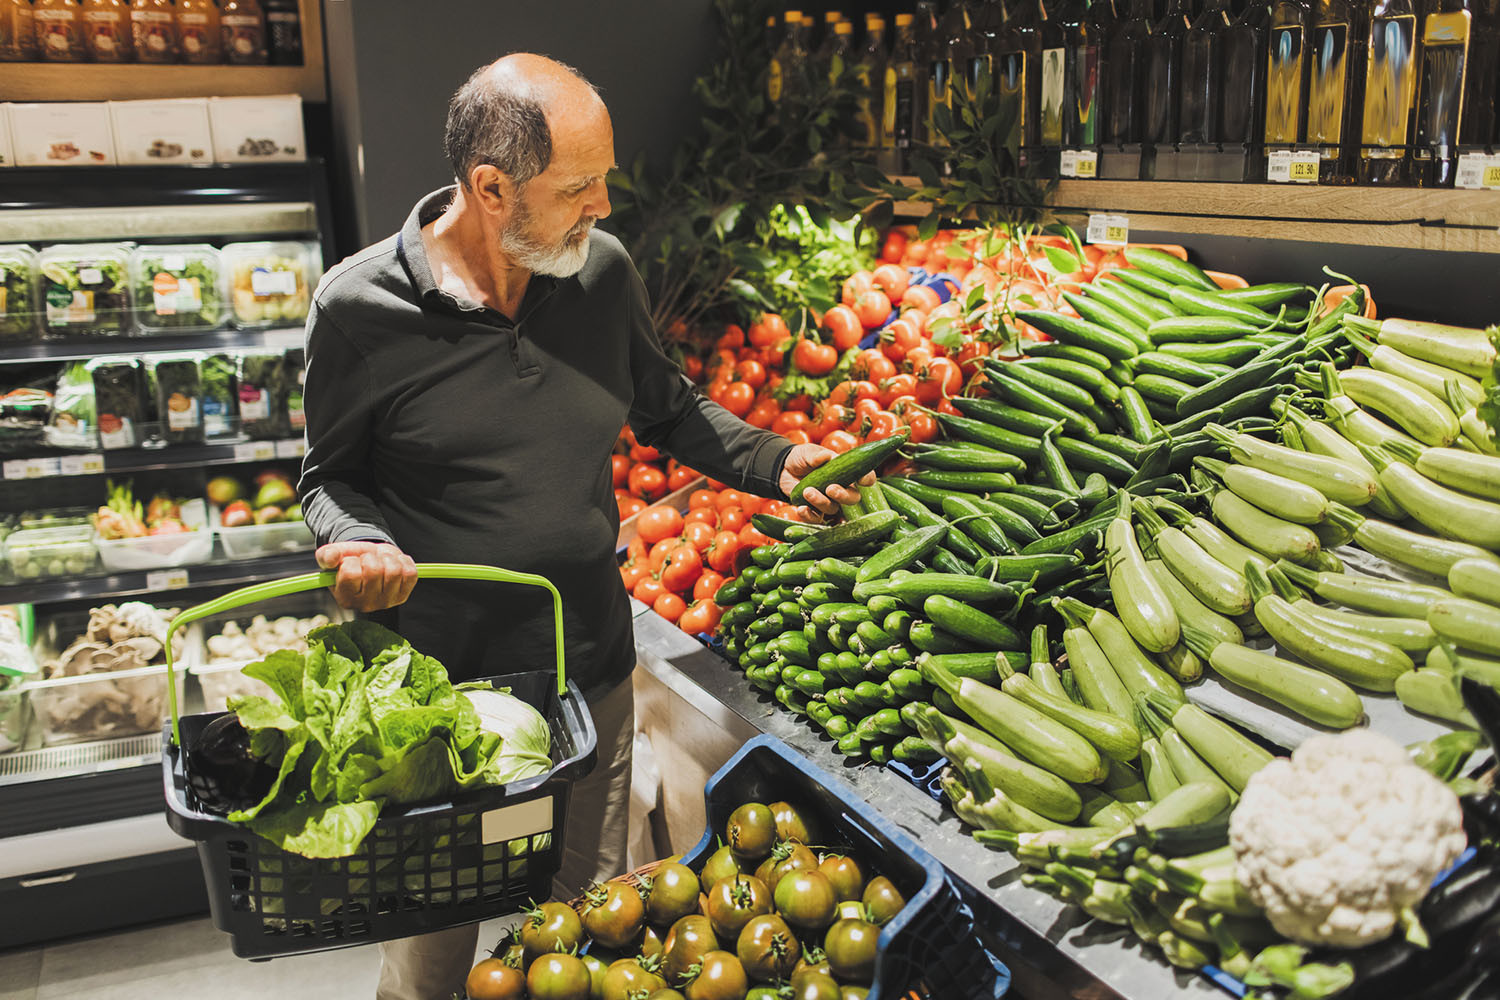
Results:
361 721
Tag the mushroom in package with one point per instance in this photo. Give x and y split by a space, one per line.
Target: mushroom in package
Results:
120 401
118 637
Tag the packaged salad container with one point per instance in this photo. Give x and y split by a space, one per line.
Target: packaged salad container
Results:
270 283
18 281
85 289
177 288
120 401
51 552
176 382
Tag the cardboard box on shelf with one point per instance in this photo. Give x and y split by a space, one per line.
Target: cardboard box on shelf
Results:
7 151
257 129
167 131
63 133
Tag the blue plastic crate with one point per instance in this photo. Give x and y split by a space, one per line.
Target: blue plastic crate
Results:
920 775
932 941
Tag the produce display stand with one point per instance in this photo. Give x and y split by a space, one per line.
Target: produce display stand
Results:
1050 952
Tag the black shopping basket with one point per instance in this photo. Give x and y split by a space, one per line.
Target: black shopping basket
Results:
422 868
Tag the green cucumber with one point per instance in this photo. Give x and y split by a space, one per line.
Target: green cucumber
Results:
970 623
1081 333
851 536
1057 349
847 469
900 554
1168 267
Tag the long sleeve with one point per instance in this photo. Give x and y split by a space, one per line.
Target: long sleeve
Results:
670 414
337 488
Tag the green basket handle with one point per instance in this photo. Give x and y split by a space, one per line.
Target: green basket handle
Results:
326 578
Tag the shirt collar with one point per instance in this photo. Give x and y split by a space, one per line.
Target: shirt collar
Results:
412 252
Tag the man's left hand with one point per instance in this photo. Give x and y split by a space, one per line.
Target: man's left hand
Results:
801 460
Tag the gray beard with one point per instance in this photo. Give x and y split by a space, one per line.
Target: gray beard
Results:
560 260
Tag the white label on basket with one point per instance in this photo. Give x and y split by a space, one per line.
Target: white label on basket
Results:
82 465
166 579
1109 230
291 449
524 819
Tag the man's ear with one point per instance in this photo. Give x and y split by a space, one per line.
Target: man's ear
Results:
491 188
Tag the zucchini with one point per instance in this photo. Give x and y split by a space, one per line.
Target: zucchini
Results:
1143 607
1028 785
1217 586
1448 512
1276 495
1413 635
1190 610
1136 671
1432 692
1233 756
1108 732
1460 470
1425 552
1467 623
1476 578
1333 478
1395 598
850 467
1263 532
1417 411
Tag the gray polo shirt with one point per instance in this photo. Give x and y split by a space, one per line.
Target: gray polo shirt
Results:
464 435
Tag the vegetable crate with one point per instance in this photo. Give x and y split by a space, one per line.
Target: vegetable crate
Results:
931 945
422 868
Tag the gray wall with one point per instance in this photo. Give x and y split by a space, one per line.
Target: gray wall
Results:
393 64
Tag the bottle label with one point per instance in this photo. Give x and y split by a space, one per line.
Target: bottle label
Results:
1390 78
1012 86
287 17
938 95
865 115
1326 92
774 82
1054 78
1086 94
242 36
1445 50
153 34
55 15
1284 85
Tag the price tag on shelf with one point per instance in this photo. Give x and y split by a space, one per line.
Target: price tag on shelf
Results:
1286 166
1088 165
255 451
1068 165
82 465
1477 171
1109 230
166 579
31 468
291 449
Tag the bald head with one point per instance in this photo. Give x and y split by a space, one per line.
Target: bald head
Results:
511 113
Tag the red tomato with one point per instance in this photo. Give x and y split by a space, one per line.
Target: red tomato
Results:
721 552
872 365
948 375
644 453
619 466
768 331
829 418
707 585
732 339
882 424
840 441
681 570
798 436
812 358
657 557
629 506
894 247
854 286
924 427
692 367
903 405
637 549
898 338
680 477
790 420
703 498
866 407
916 253
802 403
872 308
850 392
752 373
702 515
738 399
918 357
945 405
780 508
648 590
844 328
892 279
763 414
700 616
648 482
893 388
733 518
921 297
658 522
670 607
751 538
631 573
698 534
971 356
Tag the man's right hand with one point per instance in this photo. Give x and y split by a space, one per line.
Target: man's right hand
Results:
372 576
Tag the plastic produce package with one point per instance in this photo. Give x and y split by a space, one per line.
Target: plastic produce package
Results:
25 409
74 422
120 401
178 384
271 283
262 391
18 308
85 289
177 288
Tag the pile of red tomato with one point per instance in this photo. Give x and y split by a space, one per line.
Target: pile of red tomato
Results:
678 561
643 475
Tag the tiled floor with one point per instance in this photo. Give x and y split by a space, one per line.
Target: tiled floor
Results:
189 959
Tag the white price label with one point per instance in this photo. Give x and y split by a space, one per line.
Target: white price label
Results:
1477 171
30 468
1068 165
82 465
1287 166
1109 230
291 449
255 451
166 579
1088 165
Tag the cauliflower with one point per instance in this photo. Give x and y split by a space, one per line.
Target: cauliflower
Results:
1341 841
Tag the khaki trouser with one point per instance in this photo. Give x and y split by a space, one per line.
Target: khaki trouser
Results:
434 966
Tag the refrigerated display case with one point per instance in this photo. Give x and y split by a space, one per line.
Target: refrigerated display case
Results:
126 270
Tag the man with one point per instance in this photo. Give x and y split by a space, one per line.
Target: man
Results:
466 380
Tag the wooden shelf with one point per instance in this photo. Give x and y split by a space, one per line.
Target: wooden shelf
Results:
1412 218
135 81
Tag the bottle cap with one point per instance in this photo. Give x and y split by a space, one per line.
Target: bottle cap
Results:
807 21
832 17
843 28
874 22
793 16
904 20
